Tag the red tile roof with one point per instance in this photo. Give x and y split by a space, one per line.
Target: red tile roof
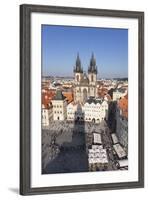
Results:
69 96
47 96
123 105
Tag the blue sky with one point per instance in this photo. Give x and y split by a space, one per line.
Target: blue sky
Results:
60 45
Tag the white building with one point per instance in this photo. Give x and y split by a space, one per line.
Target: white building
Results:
119 93
95 110
47 114
75 111
97 138
59 106
119 151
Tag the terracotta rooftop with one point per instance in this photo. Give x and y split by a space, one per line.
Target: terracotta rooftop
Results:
123 105
69 96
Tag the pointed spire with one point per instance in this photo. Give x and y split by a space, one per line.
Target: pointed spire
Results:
78 61
78 67
92 67
92 55
92 60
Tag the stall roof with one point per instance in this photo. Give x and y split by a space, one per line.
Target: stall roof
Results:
97 138
119 150
97 147
97 156
123 163
114 138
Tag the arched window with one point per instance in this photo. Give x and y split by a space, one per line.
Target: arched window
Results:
78 78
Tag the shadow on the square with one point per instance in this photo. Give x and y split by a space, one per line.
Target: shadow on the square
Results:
68 150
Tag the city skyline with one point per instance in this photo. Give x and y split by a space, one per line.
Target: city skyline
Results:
60 45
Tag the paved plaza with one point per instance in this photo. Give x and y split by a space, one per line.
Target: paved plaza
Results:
65 145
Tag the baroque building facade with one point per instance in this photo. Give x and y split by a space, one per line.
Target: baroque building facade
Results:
93 110
85 85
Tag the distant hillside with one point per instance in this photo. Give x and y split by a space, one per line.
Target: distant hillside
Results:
121 79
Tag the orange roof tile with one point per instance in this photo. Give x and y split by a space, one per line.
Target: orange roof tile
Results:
47 96
69 96
123 105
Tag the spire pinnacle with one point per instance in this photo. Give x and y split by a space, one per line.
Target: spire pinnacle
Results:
78 67
92 67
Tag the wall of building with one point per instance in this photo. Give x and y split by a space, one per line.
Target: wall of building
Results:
47 116
59 109
95 112
122 129
89 112
92 78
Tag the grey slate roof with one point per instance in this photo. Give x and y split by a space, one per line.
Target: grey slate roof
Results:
93 100
59 95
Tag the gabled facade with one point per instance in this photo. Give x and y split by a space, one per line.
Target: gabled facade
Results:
95 110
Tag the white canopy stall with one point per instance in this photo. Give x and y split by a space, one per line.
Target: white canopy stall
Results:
114 138
123 163
97 138
97 155
120 151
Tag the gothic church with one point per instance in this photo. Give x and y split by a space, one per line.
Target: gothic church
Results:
85 85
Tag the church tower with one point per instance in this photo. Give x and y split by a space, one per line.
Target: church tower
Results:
78 70
92 75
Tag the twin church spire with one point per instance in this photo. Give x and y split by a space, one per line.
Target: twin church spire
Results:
92 68
78 68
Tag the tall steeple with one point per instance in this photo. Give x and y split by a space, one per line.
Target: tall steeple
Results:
92 66
78 68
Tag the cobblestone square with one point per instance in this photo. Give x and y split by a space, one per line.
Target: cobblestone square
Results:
65 146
